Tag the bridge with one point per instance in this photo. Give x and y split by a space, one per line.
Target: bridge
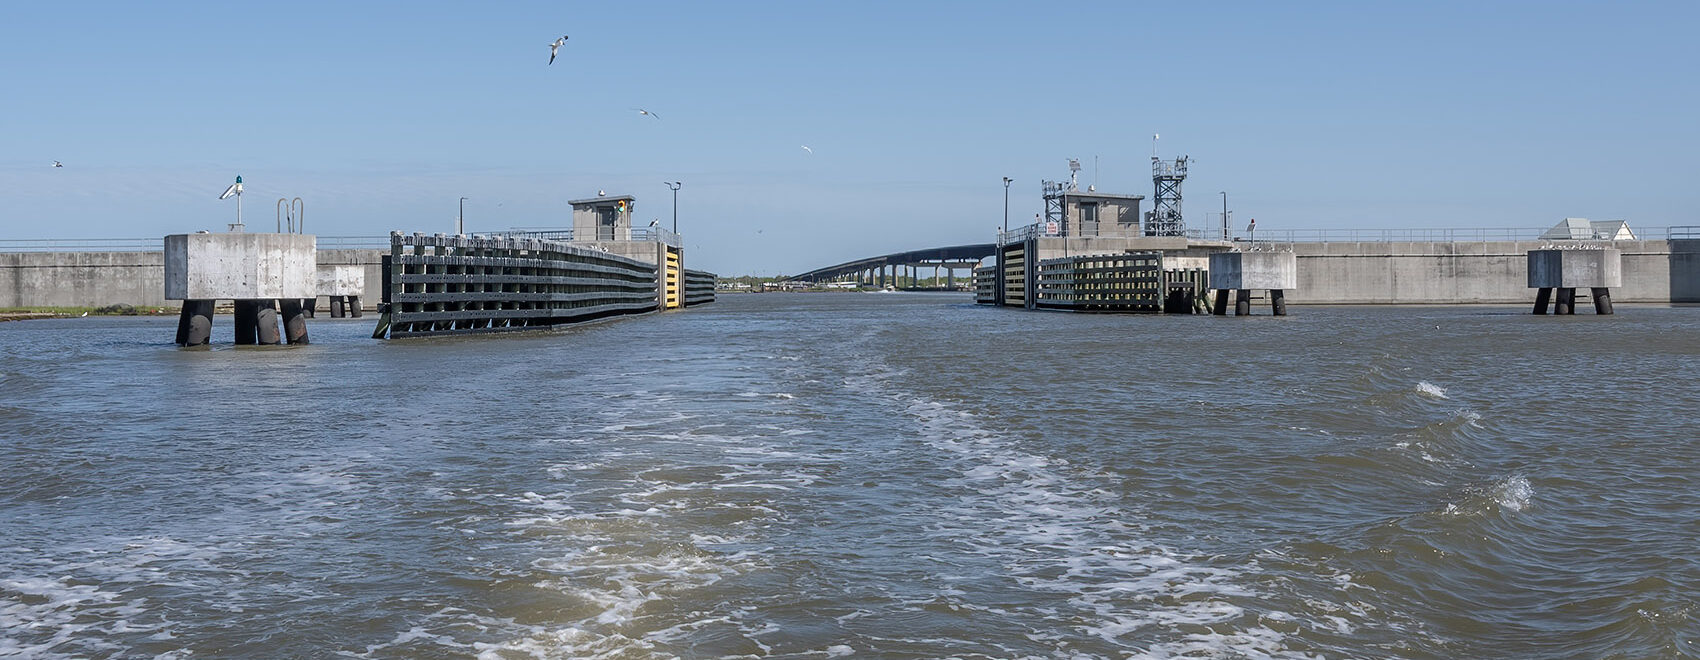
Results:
873 271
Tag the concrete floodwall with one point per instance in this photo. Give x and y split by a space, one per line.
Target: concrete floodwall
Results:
1334 272
98 279
83 279
1474 272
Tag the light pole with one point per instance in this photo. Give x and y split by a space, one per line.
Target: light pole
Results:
1224 215
1006 181
674 186
460 223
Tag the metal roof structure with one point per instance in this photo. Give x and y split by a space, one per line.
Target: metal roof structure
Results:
1583 229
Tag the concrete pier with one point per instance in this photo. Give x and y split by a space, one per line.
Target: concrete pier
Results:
1240 272
342 285
1564 271
254 270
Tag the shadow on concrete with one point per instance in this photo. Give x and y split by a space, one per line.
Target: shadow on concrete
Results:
1685 270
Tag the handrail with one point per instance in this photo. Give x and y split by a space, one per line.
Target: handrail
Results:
324 242
1388 235
641 234
1437 235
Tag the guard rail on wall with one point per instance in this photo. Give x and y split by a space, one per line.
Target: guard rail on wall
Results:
567 234
1424 235
1443 235
157 244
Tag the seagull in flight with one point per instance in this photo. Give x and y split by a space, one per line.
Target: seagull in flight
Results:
58 164
642 111
558 43
806 148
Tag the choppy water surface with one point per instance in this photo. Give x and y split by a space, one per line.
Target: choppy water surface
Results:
861 475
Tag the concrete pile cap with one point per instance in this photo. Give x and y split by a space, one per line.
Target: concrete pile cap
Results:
239 266
1254 270
1585 268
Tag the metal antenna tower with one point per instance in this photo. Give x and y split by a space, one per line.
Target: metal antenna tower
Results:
1054 195
1165 218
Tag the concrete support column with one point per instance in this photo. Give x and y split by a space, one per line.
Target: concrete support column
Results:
1221 307
308 305
265 322
337 310
1278 301
247 322
1542 297
194 325
1242 302
1602 300
354 306
1566 301
294 321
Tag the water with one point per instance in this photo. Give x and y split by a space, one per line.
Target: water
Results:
860 475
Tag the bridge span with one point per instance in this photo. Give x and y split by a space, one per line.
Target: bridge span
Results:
891 269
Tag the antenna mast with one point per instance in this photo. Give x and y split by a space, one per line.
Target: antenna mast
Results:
1166 177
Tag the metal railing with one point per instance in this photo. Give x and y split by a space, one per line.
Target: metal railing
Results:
83 245
353 242
157 244
660 234
1423 235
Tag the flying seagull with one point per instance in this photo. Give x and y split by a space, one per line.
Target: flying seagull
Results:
58 164
806 148
555 47
642 111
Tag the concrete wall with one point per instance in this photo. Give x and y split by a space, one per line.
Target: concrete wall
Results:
1474 272
371 261
1373 272
97 279
82 279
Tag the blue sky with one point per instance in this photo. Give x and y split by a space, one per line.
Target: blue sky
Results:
382 115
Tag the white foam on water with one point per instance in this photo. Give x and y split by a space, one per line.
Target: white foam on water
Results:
619 553
1513 493
771 395
1431 390
1059 529
78 608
